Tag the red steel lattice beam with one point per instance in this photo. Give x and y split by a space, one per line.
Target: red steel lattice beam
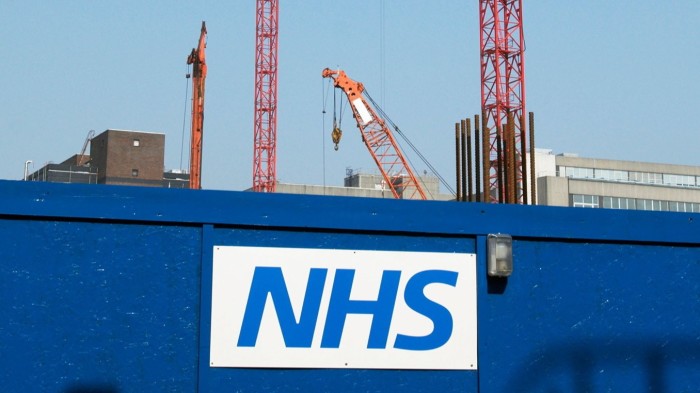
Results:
265 115
502 88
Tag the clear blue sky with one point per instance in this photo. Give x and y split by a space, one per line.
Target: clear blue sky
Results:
606 79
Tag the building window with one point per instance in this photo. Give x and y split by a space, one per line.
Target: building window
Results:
590 201
579 173
680 207
137 143
684 207
644 204
619 203
613 175
652 204
646 177
660 205
641 204
668 179
679 180
135 172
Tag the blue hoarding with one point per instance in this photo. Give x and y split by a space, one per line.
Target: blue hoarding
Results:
108 288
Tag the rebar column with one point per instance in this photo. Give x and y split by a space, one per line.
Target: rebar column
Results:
477 159
485 158
465 174
533 176
469 160
523 157
458 161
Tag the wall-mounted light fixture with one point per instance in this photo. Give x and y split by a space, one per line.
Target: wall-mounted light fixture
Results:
500 255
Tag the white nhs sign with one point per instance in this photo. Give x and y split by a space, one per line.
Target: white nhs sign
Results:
324 308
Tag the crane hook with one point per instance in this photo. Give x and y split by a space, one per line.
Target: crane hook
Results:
336 135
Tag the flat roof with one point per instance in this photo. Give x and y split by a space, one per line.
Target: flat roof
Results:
133 131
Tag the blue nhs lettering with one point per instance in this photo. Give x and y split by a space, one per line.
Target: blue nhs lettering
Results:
270 281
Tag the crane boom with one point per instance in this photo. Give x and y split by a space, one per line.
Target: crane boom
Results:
379 139
199 74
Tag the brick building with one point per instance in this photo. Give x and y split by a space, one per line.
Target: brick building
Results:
119 157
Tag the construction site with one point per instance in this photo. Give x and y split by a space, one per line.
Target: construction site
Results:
123 271
493 152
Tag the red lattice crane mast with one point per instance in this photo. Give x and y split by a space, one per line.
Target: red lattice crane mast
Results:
265 109
503 96
199 74
379 140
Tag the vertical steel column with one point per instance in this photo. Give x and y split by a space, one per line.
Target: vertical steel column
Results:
485 159
465 173
477 159
458 160
523 163
470 191
500 163
265 108
513 158
505 156
533 177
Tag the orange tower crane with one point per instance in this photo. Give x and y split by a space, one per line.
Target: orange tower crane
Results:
199 74
378 138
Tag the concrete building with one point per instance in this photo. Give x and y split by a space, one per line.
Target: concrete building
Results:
119 157
366 185
564 180
176 178
570 180
305 189
72 170
136 158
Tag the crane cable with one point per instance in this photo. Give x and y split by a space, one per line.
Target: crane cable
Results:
411 145
324 95
337 132
382 52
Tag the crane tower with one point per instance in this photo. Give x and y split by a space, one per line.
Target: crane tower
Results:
503 97
265 108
